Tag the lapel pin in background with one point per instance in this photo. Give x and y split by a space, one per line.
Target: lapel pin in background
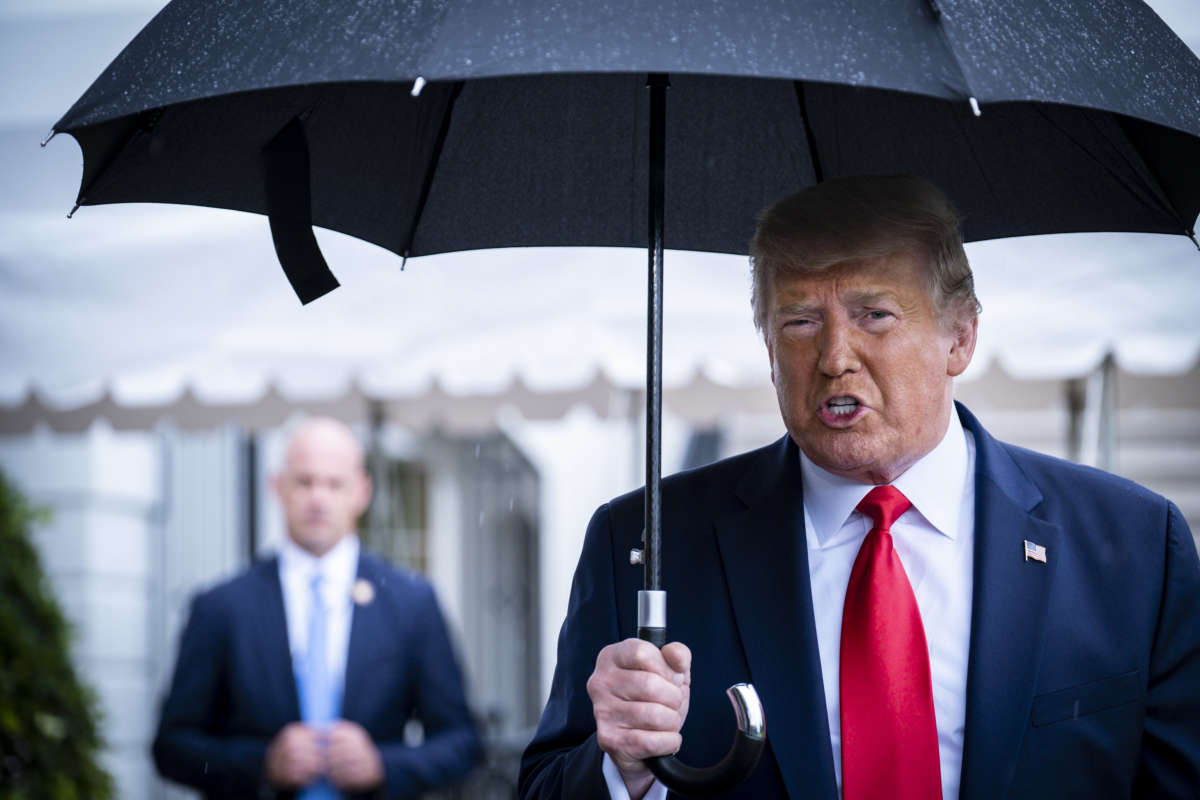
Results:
1034 552
363 592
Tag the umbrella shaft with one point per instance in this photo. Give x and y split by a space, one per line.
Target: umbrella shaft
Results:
657 83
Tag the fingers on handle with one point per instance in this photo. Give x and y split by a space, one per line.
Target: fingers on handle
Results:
672 661
678 658
627 746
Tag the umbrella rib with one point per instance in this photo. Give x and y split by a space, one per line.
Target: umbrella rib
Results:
936 11
144 123
1140 165
431 169
980 163
1133 189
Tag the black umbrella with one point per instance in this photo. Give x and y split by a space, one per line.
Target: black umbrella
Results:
425 128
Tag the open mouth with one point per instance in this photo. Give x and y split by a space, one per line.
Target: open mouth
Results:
841 411
842 406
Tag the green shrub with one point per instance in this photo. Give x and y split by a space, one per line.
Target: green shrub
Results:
49 744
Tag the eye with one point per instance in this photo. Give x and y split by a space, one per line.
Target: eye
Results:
798 327
877 317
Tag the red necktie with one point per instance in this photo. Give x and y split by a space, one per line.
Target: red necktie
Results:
889 736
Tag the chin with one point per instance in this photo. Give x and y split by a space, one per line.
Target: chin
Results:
852 460
315 541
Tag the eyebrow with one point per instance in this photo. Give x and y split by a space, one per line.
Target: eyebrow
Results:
798 307
854 298
868 297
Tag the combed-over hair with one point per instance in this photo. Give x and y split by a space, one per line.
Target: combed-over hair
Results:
864 217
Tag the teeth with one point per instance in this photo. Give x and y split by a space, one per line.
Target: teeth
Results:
842 406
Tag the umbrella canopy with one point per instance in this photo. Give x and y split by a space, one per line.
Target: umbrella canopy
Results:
531 128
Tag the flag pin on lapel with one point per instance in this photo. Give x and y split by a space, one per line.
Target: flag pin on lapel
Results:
363 592
1034 552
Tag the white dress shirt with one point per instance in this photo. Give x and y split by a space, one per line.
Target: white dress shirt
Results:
935 540
338 569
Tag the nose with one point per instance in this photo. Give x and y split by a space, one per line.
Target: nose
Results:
837 355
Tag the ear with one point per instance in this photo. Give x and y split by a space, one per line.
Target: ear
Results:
364 489
962 345
277 485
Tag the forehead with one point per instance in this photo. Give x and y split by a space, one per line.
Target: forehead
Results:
323 450
901 274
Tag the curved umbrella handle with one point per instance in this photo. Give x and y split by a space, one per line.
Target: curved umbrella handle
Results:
737 764
748 740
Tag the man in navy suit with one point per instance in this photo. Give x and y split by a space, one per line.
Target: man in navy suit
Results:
298 676
1040 632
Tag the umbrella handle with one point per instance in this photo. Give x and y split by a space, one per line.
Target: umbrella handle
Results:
737 764
748 740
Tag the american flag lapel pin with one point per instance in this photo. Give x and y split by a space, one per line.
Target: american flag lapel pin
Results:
1034 552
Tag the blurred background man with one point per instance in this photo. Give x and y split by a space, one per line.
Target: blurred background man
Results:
300 674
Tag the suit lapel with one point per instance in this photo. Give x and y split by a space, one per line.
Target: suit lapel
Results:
270 620
765 559
1007 617
364 620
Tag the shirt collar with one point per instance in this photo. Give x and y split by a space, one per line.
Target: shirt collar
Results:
338 566
934 485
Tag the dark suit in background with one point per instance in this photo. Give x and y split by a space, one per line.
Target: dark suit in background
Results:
1083 673
234 688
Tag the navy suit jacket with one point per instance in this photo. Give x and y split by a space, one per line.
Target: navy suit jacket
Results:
1083 675
234 687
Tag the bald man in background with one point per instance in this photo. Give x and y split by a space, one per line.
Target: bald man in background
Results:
297 677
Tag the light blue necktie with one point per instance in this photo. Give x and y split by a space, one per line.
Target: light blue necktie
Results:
318 691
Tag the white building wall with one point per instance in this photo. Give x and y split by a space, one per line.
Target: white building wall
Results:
203 542
446 543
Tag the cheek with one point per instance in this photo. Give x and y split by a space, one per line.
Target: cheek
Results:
793 362
915 377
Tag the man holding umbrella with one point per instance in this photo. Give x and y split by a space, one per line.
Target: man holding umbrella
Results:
925 611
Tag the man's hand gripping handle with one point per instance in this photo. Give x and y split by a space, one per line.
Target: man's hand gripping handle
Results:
748 740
